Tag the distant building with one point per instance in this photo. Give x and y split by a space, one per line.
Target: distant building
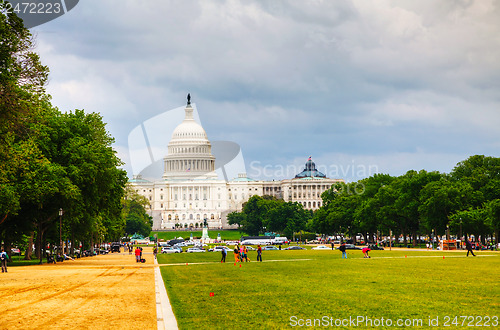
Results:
190 190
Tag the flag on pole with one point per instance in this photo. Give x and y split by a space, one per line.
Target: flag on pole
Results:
309 158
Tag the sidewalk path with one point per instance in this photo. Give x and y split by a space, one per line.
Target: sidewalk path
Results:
164 314
103 292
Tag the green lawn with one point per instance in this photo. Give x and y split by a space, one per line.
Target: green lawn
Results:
274 295
227 235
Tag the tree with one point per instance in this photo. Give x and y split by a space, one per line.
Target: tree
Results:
236 218
134 213
440 199
337 213
493 211
286 218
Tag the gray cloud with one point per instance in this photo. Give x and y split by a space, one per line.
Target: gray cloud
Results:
400 80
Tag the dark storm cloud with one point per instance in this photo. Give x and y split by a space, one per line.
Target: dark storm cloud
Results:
397 83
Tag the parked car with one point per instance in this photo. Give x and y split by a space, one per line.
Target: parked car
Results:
352 247
251 248
169 250
220 248
195 249
115 247
295 247
321 247
270 247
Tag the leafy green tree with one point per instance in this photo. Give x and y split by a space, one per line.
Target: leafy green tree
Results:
440 199
286 218
471 221
365 215
482 174
236 218
337 215
493 211
134 213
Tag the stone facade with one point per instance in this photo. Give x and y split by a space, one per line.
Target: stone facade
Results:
190 190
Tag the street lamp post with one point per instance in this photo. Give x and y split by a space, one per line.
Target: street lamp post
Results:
432 240
60 231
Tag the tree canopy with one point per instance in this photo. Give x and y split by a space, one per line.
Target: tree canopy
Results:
416 203
51 160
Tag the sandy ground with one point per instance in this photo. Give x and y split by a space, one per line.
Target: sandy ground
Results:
103 292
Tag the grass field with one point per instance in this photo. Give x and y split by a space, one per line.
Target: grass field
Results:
227 235
297 287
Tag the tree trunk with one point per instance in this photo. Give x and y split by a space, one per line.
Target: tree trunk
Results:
7 244
39 245
415 240
29 249
72 252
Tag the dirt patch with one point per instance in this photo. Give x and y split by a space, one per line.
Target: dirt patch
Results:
108 291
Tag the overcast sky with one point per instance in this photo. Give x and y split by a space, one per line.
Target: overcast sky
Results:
361 86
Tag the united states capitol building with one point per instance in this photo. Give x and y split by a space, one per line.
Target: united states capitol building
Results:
190 189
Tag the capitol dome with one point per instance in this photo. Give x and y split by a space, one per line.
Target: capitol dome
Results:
189 128
189 151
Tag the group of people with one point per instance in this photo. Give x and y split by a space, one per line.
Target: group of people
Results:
138 254
241 254
342 248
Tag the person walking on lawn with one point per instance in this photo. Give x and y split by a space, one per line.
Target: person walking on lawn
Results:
236 254
342 249
468 246
223 259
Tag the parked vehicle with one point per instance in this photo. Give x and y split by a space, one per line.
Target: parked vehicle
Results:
195 249
270 247
279 240
352 247
169 250
220 248
115 247
295 247
321 247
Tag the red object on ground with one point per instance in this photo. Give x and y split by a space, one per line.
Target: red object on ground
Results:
211 294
